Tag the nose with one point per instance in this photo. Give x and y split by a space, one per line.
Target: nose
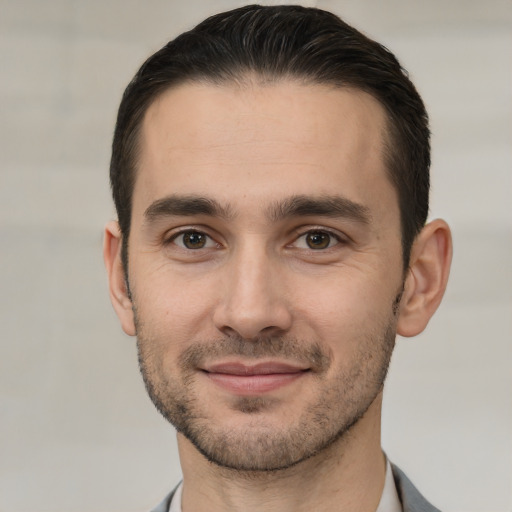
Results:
254 300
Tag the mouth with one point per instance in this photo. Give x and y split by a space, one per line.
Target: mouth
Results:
253 380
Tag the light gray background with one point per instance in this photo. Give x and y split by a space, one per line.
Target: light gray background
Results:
77 432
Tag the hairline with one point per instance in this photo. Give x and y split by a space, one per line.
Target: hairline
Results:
252 78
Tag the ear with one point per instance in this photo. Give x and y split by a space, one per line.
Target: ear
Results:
119 294
427 276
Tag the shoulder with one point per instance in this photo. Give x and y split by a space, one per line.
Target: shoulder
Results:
412 500
165 504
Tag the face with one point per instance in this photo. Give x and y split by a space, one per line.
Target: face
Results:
264 267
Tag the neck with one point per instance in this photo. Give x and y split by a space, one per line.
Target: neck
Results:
348 475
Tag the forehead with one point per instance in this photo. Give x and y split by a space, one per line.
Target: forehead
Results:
258 140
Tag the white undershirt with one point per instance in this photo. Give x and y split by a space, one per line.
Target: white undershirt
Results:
176 499
389 501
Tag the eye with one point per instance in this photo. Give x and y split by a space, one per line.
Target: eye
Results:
193 240
316 240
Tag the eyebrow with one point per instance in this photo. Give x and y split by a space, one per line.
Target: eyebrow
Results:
294 206
185 206
324 206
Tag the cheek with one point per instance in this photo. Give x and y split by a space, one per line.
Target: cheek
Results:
344 309
173 309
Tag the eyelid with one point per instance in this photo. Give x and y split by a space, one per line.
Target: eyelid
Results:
305 230
301 243
171 235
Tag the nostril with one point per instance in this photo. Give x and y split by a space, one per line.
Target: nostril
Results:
250 306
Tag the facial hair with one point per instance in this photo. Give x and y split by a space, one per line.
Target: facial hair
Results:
338 405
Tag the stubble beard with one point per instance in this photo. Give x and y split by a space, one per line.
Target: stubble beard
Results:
259 446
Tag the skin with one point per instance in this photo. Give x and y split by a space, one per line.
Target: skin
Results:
258 280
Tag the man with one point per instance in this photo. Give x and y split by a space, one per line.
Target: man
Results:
270 171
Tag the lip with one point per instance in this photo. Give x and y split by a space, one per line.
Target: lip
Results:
252 380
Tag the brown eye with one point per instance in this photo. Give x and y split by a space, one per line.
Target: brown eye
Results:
318 240
192 240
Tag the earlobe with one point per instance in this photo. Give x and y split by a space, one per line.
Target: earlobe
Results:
119 294
426 279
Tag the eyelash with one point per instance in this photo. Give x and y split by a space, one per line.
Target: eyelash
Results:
189 231
338 239
302 234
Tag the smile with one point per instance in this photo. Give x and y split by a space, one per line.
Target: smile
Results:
252 380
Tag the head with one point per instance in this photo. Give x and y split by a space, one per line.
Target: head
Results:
282 43
270 172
